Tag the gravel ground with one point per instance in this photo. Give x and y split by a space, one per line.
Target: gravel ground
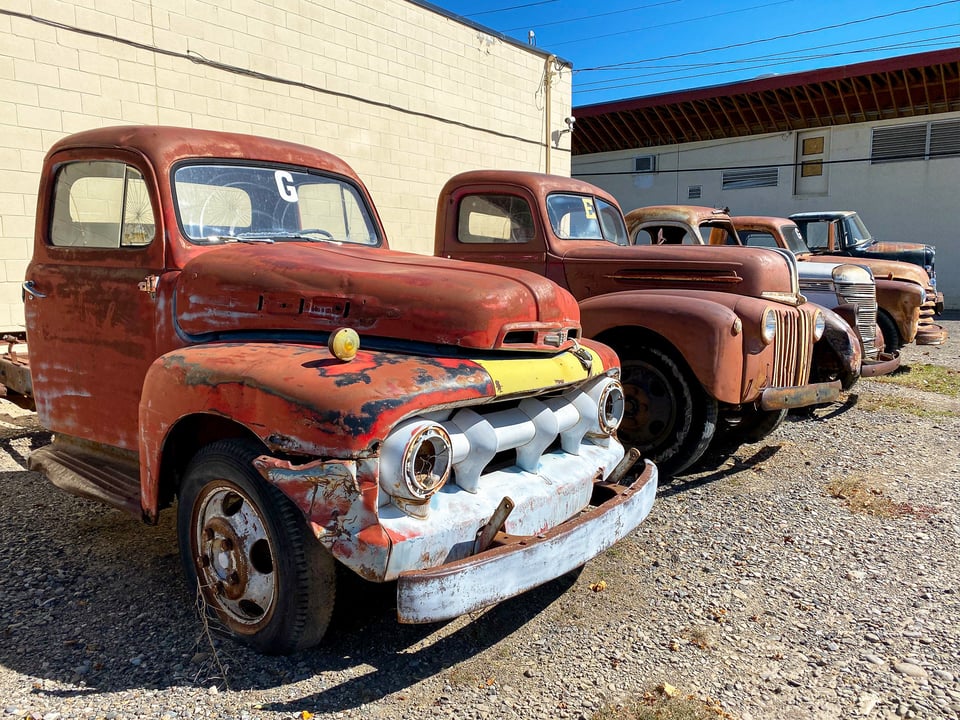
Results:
748 585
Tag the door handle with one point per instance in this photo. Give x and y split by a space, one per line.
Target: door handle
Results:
30 288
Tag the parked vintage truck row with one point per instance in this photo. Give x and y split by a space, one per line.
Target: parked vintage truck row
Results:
215 322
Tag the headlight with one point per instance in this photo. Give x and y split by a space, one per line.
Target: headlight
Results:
852 275
768 328
610 408
415 462
819 325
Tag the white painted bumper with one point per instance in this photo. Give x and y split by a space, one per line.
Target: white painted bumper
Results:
522 563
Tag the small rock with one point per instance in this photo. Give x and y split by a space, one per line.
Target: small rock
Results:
856 575
874 659
910 670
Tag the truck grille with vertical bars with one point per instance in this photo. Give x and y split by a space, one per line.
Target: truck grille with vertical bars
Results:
791 359
865 297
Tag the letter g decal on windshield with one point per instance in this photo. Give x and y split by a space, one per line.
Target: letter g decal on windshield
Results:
285 186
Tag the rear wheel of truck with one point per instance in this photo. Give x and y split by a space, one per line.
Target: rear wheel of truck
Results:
258 572
668 415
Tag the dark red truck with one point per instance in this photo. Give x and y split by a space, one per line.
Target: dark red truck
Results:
215 320
718 338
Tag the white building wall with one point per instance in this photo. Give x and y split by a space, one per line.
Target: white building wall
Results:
404 94
911 200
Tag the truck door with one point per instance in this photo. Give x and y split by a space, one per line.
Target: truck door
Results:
90 293
495 226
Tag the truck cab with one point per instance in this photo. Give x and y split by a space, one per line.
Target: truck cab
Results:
906 298
707 339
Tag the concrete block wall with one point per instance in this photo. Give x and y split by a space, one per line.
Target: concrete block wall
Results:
405 94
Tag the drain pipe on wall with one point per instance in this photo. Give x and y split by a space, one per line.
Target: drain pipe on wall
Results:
547 98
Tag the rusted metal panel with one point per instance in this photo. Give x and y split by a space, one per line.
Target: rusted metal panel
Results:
244 288
796 397
521 563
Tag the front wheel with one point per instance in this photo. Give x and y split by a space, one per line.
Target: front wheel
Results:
888 329
246 549
752 425
668 415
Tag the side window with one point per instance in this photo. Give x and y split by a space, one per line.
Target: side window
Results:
757 238
494 219
101 205
664 235
717 234
816 235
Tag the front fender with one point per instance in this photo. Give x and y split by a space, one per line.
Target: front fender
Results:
300 400
700 329
901 301
838 353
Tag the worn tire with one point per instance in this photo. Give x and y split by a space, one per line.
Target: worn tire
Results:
261 575
888 328
668 415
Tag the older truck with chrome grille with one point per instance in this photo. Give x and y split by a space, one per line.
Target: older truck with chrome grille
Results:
216 319
906 297
707 338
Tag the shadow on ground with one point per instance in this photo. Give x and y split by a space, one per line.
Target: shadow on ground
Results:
93 601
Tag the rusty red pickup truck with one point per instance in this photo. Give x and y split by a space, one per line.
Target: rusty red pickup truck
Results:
215 321
722 338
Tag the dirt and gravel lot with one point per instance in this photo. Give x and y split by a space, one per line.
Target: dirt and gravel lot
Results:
752 587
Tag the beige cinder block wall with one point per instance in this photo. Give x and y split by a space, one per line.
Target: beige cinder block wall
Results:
405 94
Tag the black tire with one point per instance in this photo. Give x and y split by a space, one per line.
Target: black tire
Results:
668 415
752 425
261 575
888 328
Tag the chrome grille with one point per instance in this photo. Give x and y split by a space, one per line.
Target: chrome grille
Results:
865 296
791 346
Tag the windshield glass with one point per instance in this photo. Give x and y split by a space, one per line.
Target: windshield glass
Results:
261 203
795 243
856 231
578 217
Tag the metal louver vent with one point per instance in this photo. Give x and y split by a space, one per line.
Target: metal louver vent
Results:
945 138
901 142
751 178
694 192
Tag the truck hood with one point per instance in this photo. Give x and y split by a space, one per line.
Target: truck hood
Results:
755 272
319 287
882 268
916 253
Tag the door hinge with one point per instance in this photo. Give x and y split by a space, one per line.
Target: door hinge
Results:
149 285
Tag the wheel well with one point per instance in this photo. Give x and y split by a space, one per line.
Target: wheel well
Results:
624 338
187 437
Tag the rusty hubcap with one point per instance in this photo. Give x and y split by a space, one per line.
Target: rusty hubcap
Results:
235 557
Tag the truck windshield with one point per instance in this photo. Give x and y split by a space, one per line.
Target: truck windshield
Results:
795 243
252 203
580 217
856 231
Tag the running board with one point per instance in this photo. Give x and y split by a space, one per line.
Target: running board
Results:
87 473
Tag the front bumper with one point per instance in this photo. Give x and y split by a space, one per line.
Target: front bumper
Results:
931 334
786 398
517 564
885 364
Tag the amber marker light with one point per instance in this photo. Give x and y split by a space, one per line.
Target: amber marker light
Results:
737 326
344 344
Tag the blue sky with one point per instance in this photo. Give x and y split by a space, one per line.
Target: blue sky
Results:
631 48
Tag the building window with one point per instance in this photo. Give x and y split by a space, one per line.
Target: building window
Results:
751 178
919 141
694 192
645 163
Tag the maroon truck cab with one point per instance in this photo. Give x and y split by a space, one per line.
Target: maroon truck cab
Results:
707 339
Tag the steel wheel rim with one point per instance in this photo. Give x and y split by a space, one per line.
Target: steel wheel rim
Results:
235 560
650 414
